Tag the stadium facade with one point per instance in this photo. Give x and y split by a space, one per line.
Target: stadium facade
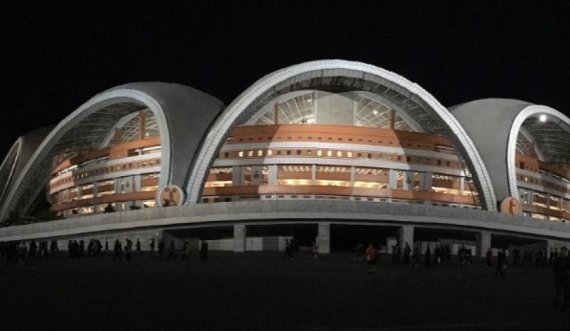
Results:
331 150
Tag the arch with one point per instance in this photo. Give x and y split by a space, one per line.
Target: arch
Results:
297 76
8 167
516 128
170 104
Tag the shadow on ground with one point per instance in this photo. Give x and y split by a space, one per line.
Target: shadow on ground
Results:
260 291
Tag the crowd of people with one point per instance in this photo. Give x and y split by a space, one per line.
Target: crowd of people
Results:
124 250
558 260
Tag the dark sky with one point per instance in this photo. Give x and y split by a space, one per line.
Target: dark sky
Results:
55 55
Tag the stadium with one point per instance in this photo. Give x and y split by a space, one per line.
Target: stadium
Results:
332 151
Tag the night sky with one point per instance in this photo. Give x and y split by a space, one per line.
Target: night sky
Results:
55 55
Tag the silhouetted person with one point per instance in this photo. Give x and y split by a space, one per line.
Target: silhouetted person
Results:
371 258
171 254
151 246
160 247
489 257
501 267
407 252
204 250
138 245
117 250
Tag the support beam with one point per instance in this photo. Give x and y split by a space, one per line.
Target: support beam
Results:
483 243
276 114
239 238
324 238
142 125
406 235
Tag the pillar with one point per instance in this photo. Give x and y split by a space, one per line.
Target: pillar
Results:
427 181
236 176
313 174
392 179
239 238
406 235
324 238
272 174
483 243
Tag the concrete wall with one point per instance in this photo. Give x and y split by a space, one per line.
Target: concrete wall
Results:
267 212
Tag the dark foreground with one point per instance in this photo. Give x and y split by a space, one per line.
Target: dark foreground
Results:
260 291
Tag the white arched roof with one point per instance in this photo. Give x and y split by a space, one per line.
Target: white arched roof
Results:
364 77
495 124
547 150
183 115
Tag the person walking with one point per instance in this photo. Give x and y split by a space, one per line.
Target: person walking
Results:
204 250
371 258
501 267
315 250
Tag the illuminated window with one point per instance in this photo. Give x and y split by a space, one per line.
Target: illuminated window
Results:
349 154
259 153
319 153
240 154
339 154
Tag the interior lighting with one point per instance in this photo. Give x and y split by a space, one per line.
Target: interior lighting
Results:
542 118
375 112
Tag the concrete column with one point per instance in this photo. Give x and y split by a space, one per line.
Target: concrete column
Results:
406 235
483 243
313 173
352 176
324 238
427 181
239 238
461 185
237 178
392 179
95 189
408 181
137 183
272 169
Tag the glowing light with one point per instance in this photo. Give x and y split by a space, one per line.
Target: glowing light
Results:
542 118
374 112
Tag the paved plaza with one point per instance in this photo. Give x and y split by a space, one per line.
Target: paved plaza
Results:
261 291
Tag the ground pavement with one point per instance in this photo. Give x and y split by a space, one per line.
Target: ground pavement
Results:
261 291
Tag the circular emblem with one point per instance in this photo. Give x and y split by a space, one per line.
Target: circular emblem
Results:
171 195
511 205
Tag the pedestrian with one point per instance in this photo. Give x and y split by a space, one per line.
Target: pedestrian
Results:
128 250
287 253
151 246
138 246
407 252
106 251
185 255
171 254
204 250
489 257
560 268
371 258
160 247
315 250
117 250
501 267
